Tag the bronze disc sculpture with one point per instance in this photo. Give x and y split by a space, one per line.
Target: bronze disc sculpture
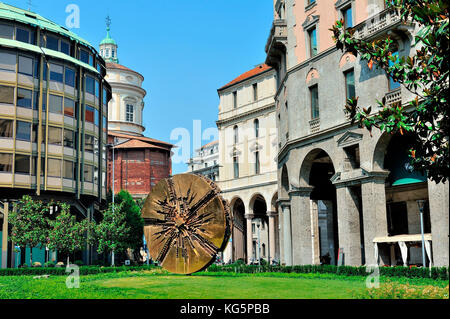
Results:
187 223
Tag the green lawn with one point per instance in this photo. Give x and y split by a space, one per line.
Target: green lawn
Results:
157 285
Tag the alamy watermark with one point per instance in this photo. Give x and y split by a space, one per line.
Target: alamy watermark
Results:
73 19
73 280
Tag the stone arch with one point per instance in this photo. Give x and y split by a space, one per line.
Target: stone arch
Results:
347 58
257 199
273 203
312 75
307 164
239 233
380 151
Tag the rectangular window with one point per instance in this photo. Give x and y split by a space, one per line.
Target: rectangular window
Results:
22 35
23 131
350 84
55 135
84 56
54 168
56 73
257 164
65 47
69 107
36 101
6 31
90 114
314 95
26 65
96 117
6 161
22 164
6 94
235 100
52 43
55 104
393 85
255 92
7 61
97 89
68 170
313 50
105 97
130 113
90 85
89 143
348 17
105 124
89 173
69 138
6 128
236 166
24 98
70 77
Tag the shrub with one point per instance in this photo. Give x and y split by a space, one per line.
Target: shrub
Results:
396 291
50 264
79 263
37 265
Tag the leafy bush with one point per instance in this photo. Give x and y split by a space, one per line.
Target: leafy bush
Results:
79 263
396 291
50 264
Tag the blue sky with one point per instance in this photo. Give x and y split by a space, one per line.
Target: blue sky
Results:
186 50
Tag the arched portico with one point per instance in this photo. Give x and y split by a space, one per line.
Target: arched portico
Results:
239 234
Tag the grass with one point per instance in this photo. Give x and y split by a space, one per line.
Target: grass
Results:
158 284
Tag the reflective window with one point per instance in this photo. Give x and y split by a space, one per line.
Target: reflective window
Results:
313 42
105 97
69 107
96 117
69 138
6 31
7 61
55 135
350 84
90 85
84 56
129 113
6 94
348 17
22 164
6 161
52 43
24 98
69 170
97 89
89 173
65 47
23 131
22 35
54 168
36 100
56 73
6 128
55 104
89 143
90 114
314 95
26 65
70 77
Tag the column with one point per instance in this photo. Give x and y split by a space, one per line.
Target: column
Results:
272 238
287 234
5 236
281 233
302 248
439 202
249 218
375 218
349 225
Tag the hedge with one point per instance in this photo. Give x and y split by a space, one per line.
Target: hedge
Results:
85 270
436 273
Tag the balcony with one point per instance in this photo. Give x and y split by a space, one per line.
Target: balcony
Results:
382 21
314 125
277 42
393 97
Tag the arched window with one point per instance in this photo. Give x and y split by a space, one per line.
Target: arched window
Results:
236 134
256 124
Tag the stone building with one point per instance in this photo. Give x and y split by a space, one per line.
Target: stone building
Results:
140 162
53 111
346 196
248 170
206 161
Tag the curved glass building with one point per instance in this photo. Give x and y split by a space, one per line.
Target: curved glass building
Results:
53 117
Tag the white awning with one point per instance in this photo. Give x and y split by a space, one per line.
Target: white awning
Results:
402 238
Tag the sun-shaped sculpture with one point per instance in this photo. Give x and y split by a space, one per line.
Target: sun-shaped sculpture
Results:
187 223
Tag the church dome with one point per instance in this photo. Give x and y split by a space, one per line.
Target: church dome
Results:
108 39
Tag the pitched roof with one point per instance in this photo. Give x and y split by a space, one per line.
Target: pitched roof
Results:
138 144
141 138
209 144
257 70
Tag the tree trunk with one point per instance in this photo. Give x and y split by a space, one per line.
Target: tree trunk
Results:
68 260
31 256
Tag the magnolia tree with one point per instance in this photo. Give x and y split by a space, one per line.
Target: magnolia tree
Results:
66 235
30 225
426 74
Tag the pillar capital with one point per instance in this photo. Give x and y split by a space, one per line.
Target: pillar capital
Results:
301 191
272 214
249 216
284 202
